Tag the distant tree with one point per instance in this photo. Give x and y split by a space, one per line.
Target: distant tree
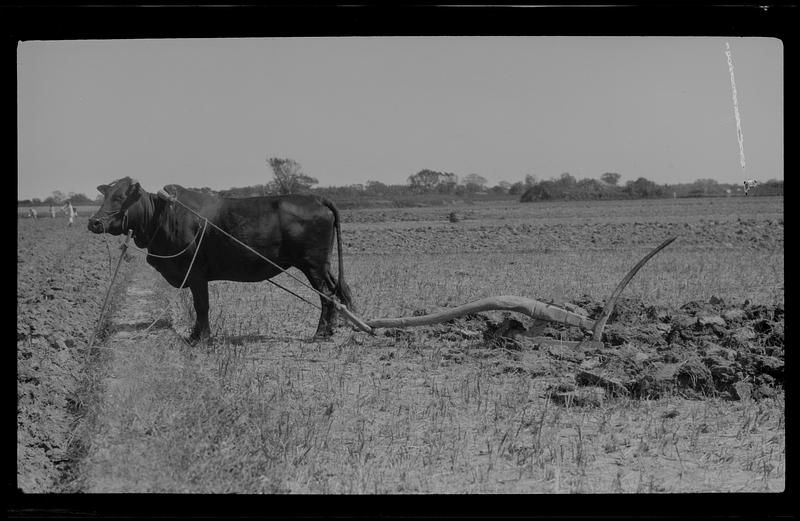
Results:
706 187
501 188
424 180
516 188
530 180
57 197
589 189
611 178
76 199
447 183
375 188
770 187
288 177
36 201
543 191
643 188
474 182
566 180
427 180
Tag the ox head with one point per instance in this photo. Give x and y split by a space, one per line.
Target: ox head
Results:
112 215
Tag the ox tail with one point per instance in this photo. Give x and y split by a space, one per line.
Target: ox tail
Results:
341 289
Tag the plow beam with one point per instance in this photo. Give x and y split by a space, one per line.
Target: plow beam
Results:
532 308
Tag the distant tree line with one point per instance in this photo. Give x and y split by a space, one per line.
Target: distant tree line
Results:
58 198
566 187
435 187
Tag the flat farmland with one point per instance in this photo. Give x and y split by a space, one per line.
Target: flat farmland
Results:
686 395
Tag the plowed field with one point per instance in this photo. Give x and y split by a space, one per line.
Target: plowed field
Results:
685 395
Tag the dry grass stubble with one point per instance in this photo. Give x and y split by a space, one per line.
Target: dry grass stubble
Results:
261 410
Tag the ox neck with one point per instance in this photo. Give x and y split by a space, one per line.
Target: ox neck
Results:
144 219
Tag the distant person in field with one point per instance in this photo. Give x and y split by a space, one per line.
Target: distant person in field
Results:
52 212
70 212
32 213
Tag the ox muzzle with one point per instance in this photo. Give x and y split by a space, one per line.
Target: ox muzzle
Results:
96 225
112 222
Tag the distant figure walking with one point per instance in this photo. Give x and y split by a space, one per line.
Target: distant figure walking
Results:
750 183
32 213
71 213
52 212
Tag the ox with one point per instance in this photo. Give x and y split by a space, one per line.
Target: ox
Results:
291 230
749 185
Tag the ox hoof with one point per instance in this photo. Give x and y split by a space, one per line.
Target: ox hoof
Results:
193 340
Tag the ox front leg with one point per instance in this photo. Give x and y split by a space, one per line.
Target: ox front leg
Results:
201 329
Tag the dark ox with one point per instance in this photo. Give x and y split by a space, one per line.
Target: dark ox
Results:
290 230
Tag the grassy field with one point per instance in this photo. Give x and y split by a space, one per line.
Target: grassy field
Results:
260 409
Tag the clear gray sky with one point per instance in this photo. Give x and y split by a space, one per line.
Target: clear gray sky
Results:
209 112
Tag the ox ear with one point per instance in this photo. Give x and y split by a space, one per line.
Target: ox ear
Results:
103 189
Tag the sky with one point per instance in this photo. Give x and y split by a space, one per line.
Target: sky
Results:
210 112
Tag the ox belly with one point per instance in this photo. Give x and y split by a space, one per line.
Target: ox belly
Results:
248 271
243 271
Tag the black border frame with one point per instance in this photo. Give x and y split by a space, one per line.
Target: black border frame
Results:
65 20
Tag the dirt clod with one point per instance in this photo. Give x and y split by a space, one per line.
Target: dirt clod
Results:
699 349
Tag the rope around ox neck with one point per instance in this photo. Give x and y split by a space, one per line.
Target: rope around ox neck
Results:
185 278
147 253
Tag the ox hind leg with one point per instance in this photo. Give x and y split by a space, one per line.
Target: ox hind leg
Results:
321 281
201 329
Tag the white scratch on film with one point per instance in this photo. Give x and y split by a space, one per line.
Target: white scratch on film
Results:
739 134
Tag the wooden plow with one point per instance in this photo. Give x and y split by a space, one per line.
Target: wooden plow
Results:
533 308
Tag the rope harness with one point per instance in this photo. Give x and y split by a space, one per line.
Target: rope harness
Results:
147 253
185 278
